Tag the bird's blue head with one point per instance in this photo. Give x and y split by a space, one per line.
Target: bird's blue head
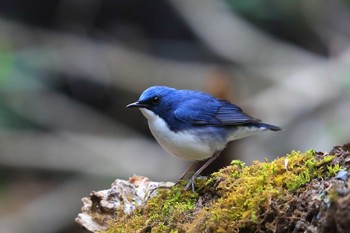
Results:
158 99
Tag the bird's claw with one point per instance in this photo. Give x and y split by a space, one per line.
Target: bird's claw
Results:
190 183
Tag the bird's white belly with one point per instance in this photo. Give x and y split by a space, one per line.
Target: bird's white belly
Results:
181 144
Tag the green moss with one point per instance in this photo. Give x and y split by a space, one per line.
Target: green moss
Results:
240 196
333 170
238 163
162 213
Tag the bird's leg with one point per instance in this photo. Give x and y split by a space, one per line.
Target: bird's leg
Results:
188 170
209 161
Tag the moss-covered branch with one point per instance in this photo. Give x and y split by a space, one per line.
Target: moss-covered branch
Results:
294 193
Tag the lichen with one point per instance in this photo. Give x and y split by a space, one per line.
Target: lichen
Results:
163 213
236 198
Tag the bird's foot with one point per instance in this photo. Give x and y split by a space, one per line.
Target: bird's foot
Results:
190 183
181 182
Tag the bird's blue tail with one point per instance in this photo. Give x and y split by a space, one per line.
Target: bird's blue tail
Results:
267 126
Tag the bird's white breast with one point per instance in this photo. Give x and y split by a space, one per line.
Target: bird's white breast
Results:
182 144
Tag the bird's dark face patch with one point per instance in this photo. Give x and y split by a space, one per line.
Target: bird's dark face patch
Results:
158 99
151 101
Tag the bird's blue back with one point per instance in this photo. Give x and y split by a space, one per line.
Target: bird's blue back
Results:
184 109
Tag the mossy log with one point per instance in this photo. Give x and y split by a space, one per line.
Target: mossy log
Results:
300 192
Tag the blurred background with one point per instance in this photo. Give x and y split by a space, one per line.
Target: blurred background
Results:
68 68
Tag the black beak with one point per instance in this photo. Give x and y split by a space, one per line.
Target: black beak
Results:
136 105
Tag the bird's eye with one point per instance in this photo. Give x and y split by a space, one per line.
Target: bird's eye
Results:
155 100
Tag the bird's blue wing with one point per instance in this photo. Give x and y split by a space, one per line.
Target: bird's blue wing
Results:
212 112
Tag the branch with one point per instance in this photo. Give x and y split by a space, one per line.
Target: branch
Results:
296 193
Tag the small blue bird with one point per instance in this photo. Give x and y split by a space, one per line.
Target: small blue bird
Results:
193 125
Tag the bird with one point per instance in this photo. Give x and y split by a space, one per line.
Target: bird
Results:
194 125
